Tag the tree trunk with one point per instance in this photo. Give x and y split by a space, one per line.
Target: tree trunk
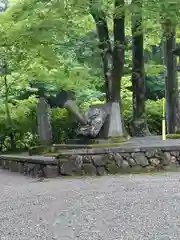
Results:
104 45
139 119
118 51
171 82
113 63
116 124
9 120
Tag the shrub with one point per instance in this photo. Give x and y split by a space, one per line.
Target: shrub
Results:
64 125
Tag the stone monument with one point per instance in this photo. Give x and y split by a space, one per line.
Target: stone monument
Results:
44 122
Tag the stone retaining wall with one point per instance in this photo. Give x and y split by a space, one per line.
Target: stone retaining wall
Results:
95 161
34 166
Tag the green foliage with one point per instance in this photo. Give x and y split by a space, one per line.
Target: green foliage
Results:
64 126
54 44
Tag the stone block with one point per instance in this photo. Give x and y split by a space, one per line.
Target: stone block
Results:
89 169
153 153
140 159
70 166
87 159
165 159
131 162
110 158
173 159
99 160
66 169
112 168
20 167
13 166
125 164
101 171
5 164
175 153
118 159
51 171
76 161
125 156
154 161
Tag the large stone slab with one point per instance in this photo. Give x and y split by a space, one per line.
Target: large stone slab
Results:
140 159
44 122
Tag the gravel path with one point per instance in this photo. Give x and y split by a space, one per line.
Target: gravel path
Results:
108 208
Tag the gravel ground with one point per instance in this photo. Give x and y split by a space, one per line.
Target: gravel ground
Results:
109 208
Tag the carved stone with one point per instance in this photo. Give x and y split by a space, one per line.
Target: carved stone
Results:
44 123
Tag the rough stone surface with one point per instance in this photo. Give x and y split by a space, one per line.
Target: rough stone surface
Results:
99 160
175 153
21 167
51 171
154 161
101 171
13 166
66 169
166 159
112 168
89 169
87 159
124 164
173 159
132 207
118 159
140 159
131 161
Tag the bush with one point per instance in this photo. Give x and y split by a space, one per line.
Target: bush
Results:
64 125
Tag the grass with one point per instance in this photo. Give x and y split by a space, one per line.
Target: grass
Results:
173 136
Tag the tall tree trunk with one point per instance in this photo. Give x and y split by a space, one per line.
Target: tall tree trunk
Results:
171 81
113 62
8 115
138 77
104 45
118 51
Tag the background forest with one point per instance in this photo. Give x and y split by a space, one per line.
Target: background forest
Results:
49 46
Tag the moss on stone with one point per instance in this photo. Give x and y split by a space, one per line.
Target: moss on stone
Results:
40 150
173 136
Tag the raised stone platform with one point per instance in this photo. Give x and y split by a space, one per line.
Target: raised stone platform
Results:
137 155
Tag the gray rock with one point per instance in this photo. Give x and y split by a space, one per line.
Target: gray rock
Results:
20 167
87 159
70 166
101 171
13 166
153 153
110 158
76 161
131 162
125 156
99 160
154 161
166 159
175 153
79 161
140 159
112 168
173 159
51 171
118 159
66 169
89 169
124 164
